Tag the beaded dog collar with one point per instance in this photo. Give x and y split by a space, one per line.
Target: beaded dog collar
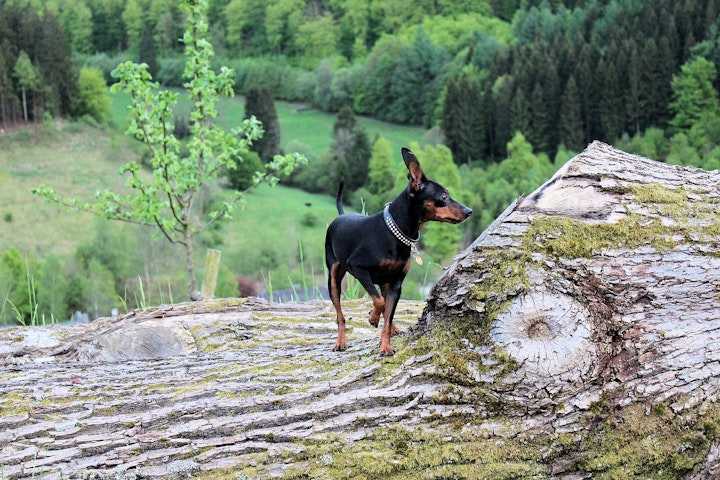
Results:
393 227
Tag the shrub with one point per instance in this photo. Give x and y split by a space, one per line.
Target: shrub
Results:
241 177
93 99
276 74
171 72
309 219
246 287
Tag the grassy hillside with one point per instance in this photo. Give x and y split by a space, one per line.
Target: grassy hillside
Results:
76 161
299 123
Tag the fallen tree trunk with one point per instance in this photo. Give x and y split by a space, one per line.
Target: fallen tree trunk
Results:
576 337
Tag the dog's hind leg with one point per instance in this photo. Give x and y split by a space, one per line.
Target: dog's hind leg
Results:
384 288
378 300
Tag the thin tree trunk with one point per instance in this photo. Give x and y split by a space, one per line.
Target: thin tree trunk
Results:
193 293
24 102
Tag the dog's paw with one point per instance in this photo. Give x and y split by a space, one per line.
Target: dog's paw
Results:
387 351
374 320
340 347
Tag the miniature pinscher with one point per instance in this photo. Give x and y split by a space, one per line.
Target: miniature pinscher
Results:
376 249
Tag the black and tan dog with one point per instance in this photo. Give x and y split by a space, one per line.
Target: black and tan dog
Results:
376 249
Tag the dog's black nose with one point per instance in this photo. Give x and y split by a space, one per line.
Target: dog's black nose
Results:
467 211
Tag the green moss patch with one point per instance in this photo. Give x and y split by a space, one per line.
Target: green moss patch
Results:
645 441
504 277
673 215
398 453
561 237
655 193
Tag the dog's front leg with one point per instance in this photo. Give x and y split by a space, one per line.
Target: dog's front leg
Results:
394 330
391 300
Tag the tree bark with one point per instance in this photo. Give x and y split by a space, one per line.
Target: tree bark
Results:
576 338
609 277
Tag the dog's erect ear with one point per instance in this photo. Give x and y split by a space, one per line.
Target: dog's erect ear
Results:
416 175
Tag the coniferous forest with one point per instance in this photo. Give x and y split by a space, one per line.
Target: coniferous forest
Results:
507 90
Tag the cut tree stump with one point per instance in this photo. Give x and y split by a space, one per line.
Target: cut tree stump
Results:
577 337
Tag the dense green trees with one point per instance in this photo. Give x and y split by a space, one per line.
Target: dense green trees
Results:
36 74
563 73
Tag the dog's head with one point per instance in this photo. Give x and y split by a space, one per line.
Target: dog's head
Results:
436 202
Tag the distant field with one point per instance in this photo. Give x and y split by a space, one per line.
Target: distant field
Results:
298 123
76 162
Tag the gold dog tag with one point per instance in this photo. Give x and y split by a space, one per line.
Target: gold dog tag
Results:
416 254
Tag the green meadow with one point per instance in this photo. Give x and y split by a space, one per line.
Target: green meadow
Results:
300 124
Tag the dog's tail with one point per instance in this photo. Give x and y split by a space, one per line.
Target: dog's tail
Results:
338 197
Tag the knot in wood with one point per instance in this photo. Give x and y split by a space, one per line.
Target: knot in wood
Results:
539 328
547 334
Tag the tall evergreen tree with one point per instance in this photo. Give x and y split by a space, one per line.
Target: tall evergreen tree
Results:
632 93
546 102
350 150
259 103
418 69
147 53
6 94
346 120
659 66
584 79
539 120
520 113
465 116
570 127
501 131
54 58
611 108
